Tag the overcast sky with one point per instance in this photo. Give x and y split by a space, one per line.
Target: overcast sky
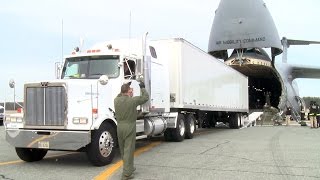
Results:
31 31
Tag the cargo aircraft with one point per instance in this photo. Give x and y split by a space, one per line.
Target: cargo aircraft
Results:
241 33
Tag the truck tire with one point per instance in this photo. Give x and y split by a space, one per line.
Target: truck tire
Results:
212 121
101 150
235 121
168 135
190 126
239 120
31 154
179 132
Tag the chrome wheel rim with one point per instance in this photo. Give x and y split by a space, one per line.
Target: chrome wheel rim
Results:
105 144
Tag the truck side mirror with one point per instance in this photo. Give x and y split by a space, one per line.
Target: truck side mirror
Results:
58 68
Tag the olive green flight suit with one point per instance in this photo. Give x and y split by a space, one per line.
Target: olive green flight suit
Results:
126 115
313 116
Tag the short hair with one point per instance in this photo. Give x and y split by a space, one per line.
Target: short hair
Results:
125 88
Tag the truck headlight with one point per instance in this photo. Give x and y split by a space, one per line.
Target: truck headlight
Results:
18 119
80 120
8 118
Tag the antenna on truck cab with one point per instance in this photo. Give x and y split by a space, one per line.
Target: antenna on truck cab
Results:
58 68
62 40
130 25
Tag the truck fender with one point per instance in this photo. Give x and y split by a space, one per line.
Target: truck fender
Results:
101 119
171 119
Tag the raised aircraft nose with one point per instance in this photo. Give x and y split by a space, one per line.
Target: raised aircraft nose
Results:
243 24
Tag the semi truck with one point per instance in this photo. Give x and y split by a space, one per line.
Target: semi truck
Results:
188 89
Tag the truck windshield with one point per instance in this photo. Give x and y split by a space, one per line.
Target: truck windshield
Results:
90 67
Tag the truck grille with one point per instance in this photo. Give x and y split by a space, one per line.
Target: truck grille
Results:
45 106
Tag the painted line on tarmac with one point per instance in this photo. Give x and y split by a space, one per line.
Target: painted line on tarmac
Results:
21 161
109 171
11 162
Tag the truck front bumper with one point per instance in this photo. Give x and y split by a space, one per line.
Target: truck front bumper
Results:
54 140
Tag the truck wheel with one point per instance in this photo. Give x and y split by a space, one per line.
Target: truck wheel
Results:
231 121
212 121
178 133
31 154
234 121
190 126
101 150
168 135
239 120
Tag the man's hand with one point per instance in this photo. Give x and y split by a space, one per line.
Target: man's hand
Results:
141 84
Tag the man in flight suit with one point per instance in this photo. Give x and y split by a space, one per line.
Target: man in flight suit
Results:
288 115
318 116
313 114
126 114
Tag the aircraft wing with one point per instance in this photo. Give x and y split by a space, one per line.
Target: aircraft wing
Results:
300 71
301 42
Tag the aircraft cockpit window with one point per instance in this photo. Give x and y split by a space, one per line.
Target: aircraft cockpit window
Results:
255 50
258 51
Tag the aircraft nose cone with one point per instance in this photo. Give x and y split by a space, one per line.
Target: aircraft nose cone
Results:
242 24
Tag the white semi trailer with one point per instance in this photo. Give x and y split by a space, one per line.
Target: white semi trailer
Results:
187 87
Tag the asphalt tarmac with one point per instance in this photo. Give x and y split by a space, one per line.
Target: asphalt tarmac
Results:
260 152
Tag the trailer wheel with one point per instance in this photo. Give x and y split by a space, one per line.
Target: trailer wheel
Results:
243 119
31 154
239 120
179 132
235 121
101 150
190 126
212 121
